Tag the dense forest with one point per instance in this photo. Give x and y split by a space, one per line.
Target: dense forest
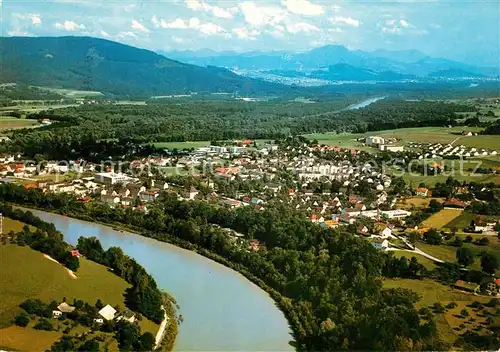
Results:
97 132
327 282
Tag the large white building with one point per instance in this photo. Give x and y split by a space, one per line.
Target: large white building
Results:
374 140
110 178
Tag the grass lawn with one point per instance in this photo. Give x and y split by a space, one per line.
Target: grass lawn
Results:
12 225
474 319
416 202
441 218
429 264
431 292
441 251
7 123
418 134
463 220
27 274
181 145
431 180
27 339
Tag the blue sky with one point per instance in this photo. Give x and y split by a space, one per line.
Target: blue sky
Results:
463 30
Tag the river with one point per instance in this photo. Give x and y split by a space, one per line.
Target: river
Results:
222 310
364 103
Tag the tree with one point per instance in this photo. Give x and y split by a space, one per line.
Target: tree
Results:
89 346
435 206
464 313
43 324
465 257
22 320
146 342
489 263
433 237
99 304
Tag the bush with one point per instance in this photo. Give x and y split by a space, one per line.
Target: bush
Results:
22 320
464 313
438 307
34 306
451 305
43 324
492 303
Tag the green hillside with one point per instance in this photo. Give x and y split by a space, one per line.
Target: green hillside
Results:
93 64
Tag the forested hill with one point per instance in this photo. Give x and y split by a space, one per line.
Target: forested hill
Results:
101 65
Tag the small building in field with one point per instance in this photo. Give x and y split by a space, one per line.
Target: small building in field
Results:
56 314
65 308
107 312
374 140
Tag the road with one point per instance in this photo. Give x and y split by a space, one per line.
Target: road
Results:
416 250
161 330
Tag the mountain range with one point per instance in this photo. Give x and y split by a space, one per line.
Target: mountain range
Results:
338 63
94 64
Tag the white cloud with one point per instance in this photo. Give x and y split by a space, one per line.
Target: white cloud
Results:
194 22
194 5
435 26
139 26
335 30
220 12
104 34
175 24
127 34
217 11
345 20
210 28
262 15
301 27
404 23
35 19
69 26
246 34
17 32
336 8
303 7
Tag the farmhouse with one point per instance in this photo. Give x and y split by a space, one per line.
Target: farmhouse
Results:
65 307
107 312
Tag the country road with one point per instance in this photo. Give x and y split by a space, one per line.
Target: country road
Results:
161 330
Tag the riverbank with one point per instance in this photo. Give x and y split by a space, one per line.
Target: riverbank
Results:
246 332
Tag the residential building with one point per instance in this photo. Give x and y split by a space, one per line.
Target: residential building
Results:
107 312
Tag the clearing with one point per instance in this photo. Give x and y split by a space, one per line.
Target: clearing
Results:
441 218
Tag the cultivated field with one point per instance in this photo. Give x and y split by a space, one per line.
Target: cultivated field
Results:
441 218
7 123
